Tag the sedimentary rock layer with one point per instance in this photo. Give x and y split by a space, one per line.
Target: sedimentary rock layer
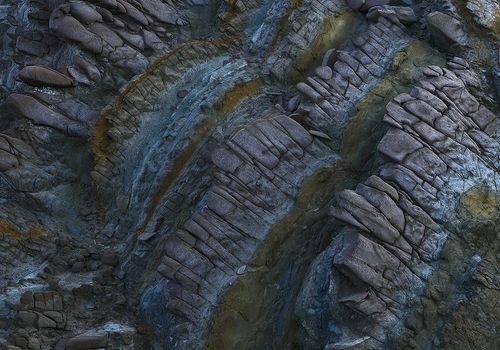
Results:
277 174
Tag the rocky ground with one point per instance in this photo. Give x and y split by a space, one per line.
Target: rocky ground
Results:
260 174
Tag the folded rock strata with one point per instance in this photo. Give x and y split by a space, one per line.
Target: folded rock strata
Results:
202 258
201 174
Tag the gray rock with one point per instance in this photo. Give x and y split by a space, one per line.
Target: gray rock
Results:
44 76
84 13
401 13
106 34
109 257
293 103
8 161
485 12
27 318
162 11
355 4
69 28
39 114
31 47
46 322
372 3
225 160
320 134
255 148
77 267
309 92
397 145
87 342
446 30
78 76
327 58
135 40
324 72
153 41
90 69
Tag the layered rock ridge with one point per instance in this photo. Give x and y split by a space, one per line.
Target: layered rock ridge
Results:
442 143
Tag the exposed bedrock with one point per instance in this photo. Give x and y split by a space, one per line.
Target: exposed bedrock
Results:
277 174
403 215
252 190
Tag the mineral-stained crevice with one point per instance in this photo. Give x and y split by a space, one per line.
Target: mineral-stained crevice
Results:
201 174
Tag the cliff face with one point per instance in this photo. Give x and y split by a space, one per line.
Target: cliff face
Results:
201 174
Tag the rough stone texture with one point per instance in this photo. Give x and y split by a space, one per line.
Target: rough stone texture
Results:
392 241
42 76
199 174
485 13
446 30
30 108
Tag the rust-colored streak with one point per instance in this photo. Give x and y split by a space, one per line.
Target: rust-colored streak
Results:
100 139
228 38
8 229
178 165
224 105
283 22
234 95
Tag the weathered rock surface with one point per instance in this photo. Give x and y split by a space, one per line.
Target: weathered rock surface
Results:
485 12
39 114
392 241
43 76
446 30
202 174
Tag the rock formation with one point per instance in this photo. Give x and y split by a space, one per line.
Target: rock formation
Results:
278 174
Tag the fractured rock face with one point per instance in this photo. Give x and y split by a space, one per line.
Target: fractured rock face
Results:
392 240
485 12
12 152
353 73
276 174
202 258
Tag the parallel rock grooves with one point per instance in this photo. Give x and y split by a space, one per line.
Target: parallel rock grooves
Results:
141 95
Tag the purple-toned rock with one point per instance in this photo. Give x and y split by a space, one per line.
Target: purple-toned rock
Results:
163 12
324 72
44 76
397 144
39 114
69 28
355 4
84 13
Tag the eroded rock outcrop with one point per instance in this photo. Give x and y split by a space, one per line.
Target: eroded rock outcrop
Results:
203 174
253 186
442 143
